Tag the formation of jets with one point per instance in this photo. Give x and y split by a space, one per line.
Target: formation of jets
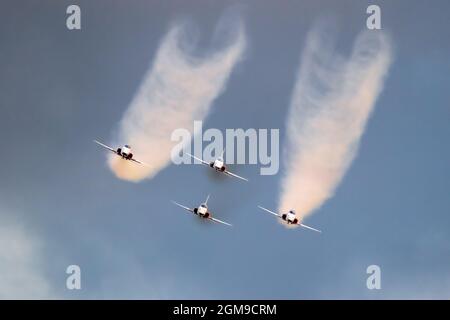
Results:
202 210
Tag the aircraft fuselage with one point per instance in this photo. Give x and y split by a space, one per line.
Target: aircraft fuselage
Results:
290 217
202 211
125 152
218 164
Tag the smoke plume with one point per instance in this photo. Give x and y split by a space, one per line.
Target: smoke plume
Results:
331 103
179 88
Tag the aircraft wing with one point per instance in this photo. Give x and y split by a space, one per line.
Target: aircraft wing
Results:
307 227
275 214
219 221
140 162
234 175
105 146
184 207
203 162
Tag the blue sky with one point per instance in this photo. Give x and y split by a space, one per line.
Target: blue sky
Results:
61 205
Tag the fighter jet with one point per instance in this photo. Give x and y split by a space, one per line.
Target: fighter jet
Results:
123 152
290 218
218 165
202 211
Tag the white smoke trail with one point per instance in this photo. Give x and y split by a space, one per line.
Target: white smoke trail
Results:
331 103
178 89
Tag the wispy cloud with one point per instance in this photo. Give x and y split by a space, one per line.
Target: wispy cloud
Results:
331 103
179 88
21 275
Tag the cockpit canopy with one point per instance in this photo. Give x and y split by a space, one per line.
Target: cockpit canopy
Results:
203 205
292 211
127 146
